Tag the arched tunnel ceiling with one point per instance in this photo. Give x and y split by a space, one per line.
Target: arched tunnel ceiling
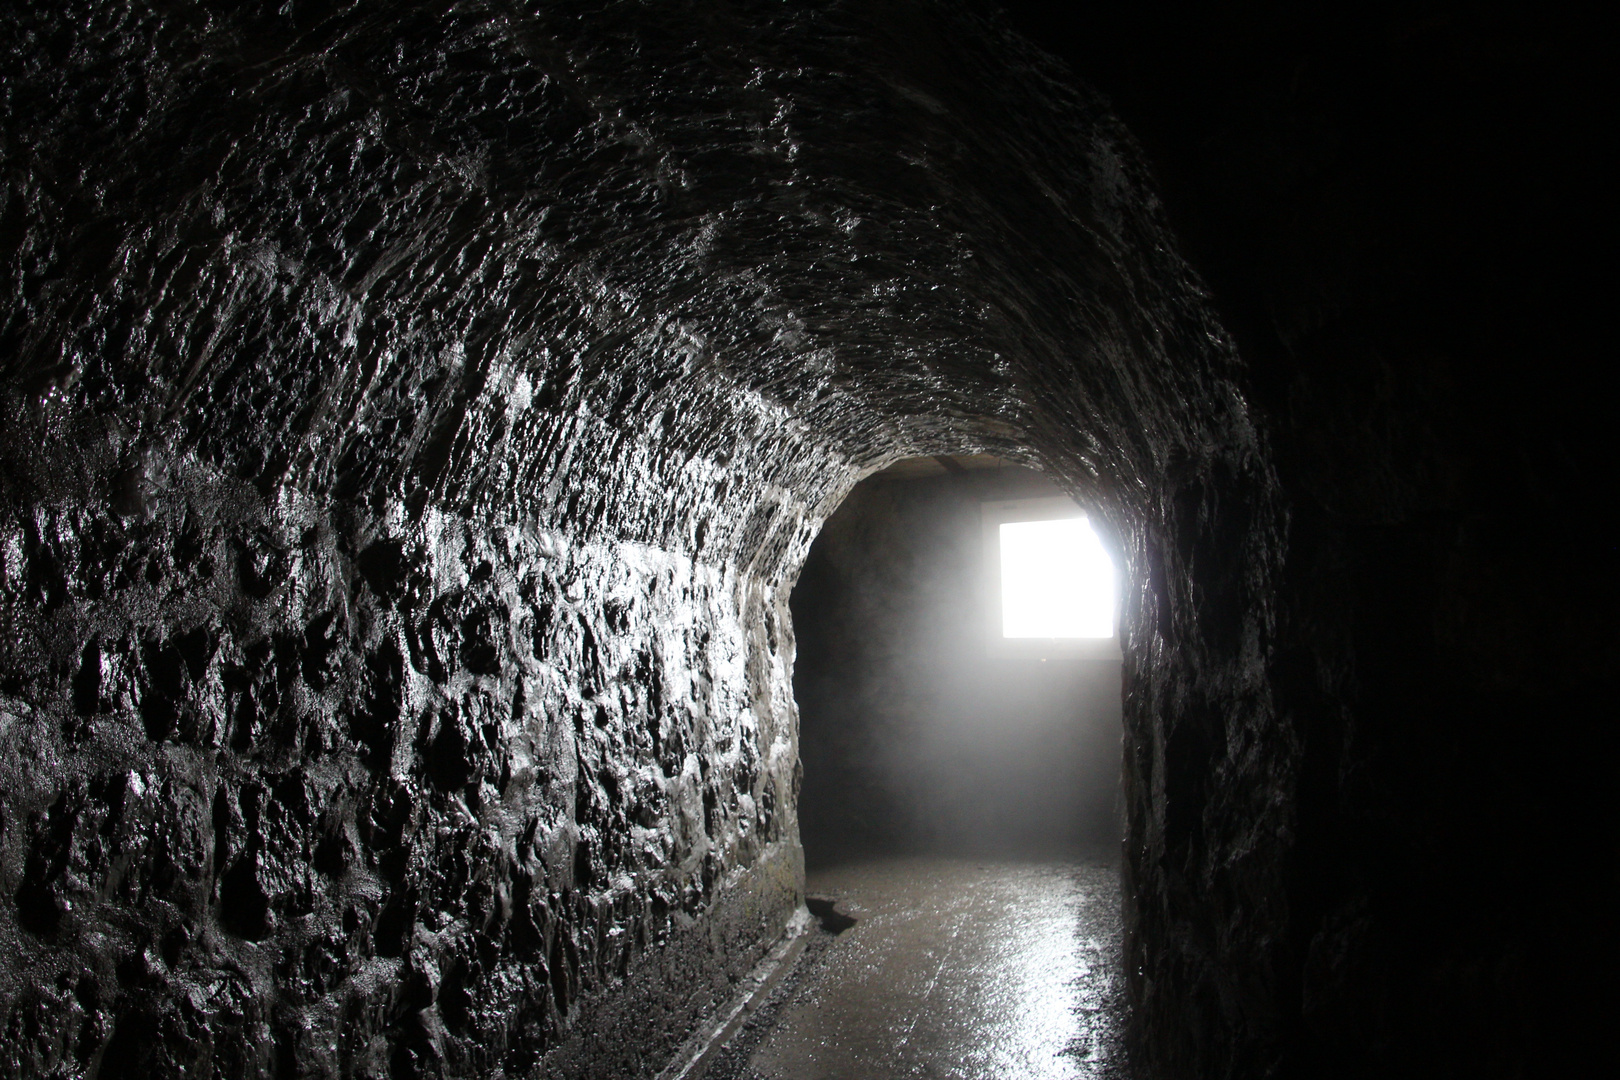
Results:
410 414
594 262
411 419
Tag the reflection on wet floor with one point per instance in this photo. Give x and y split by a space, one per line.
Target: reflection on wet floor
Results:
953 968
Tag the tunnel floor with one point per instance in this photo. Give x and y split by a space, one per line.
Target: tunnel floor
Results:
953 968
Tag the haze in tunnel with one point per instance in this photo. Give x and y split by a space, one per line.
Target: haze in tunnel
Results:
928 723
959 693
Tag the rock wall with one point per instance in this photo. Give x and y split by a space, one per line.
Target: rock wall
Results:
413 417
404 803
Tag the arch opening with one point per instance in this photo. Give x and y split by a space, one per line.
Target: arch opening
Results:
960 801
923 727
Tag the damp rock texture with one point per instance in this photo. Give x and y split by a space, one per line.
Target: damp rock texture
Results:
413 418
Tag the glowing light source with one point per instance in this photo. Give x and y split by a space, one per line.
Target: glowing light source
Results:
1056 580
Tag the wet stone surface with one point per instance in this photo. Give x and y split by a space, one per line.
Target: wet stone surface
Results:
411 423
413 815
412 415
959 969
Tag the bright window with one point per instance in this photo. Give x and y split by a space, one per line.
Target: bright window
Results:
1056 580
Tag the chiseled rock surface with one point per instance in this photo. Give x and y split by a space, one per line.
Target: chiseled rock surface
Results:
407 807
413 419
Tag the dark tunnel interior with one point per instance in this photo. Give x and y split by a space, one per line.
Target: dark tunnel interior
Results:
452 581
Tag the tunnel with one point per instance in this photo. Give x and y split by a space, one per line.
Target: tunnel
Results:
416 418
957 676
923 726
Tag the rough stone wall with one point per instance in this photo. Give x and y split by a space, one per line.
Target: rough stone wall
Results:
413 415
376 806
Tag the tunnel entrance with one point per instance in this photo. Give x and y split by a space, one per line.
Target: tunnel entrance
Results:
924 727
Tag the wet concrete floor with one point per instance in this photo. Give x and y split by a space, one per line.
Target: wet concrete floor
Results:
954 968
